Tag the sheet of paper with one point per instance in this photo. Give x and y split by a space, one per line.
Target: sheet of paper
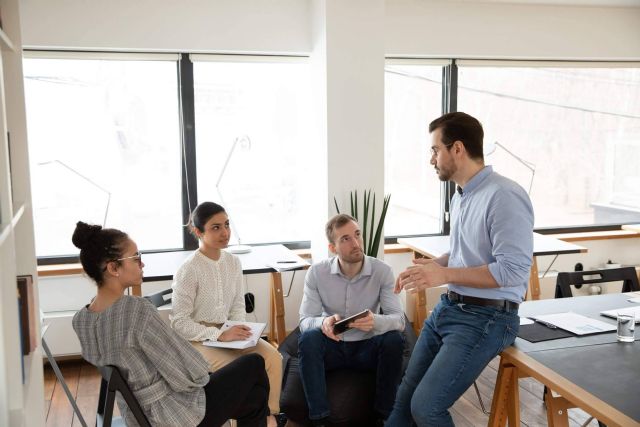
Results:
576 323
285 265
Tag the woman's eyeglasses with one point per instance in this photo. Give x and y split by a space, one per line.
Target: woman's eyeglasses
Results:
137 257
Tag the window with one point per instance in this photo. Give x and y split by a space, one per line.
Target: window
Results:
104 142
570 131
413 98
253 121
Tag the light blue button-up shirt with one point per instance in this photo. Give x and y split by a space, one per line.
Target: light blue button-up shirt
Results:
327 292
492 224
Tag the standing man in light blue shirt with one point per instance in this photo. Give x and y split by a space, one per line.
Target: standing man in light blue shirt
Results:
486 269
337 288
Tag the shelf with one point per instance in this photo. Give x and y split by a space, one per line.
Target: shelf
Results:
6 41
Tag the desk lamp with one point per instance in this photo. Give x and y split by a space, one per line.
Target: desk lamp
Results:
490 148
66 166
245 143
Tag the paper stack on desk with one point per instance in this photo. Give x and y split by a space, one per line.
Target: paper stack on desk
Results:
256 333
574 323
635 310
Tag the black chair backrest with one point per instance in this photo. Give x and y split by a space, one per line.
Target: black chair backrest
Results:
626 274
158 299
112 381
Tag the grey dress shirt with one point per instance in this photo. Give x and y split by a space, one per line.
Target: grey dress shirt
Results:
165 373
327 292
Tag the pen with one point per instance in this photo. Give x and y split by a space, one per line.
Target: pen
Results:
547 324
287 262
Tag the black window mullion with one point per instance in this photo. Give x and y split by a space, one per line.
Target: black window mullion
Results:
449 104
188 153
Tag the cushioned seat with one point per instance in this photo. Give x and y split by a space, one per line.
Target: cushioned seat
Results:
351 393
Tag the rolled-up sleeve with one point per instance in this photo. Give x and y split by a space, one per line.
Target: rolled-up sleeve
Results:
311 312
510 223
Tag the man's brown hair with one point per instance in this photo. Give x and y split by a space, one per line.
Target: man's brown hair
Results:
336 222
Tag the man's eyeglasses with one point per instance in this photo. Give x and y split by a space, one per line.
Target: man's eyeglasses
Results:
137 257
435 150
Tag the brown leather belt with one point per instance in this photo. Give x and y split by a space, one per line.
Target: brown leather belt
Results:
485 302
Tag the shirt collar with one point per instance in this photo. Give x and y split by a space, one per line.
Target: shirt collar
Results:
477 179
366 267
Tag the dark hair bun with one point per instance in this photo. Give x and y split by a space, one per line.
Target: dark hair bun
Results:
84 234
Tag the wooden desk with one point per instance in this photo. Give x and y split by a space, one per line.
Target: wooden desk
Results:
435 246
162 266
594 373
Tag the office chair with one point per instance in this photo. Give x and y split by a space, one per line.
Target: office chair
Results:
158 299
112 381
626 274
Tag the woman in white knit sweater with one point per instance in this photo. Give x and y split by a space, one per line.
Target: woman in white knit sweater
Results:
208 291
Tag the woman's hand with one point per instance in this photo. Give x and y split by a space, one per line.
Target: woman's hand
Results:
235 333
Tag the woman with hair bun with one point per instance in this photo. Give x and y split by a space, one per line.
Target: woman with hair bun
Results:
208 291
169 378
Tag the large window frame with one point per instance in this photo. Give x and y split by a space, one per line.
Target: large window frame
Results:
188 170
189 195
450 89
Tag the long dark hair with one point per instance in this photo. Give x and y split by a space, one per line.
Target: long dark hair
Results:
97 247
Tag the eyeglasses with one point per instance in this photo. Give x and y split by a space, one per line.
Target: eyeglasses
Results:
436 150
137 257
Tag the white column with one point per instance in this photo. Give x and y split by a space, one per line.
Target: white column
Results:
348 61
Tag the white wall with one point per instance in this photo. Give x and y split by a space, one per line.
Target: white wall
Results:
257 26
490 30
412 27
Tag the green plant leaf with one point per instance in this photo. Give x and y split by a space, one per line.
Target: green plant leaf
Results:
383 214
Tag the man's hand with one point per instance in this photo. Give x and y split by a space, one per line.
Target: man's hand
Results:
327 326
364 323
426 273
235 333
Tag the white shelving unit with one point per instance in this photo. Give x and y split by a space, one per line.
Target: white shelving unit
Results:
21 379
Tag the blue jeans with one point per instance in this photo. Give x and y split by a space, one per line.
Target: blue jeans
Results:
455 345
317 354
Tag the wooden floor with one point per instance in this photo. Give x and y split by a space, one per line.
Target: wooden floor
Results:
84 382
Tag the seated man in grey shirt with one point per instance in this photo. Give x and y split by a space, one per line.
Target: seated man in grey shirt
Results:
341 287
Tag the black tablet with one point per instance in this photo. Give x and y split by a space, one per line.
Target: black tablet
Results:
342 325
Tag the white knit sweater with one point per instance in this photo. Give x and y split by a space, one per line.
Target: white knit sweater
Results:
209 291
